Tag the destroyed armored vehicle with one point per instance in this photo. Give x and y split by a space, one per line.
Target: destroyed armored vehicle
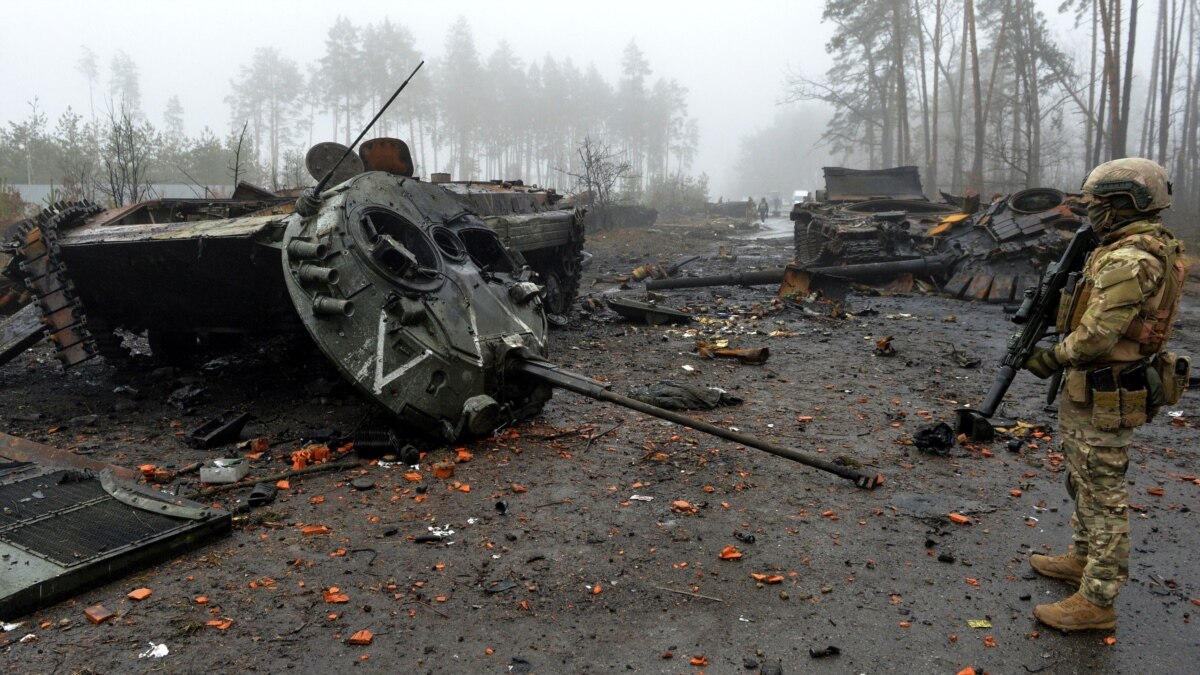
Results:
877 224
403 286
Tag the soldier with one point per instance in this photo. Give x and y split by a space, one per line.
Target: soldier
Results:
1116 326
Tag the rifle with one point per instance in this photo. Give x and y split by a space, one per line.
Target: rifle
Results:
1036 317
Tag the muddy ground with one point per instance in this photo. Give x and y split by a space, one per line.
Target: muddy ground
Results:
579 576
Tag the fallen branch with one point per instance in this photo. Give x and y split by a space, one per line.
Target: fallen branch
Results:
593 437
689 594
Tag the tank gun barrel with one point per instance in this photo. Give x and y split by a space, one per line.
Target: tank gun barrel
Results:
586 386
920 266
759 278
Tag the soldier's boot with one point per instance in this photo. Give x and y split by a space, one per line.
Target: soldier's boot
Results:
1067 566
1076 613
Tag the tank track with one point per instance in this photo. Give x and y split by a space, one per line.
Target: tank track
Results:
40 261
568 264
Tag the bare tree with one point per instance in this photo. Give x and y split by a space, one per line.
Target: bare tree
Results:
601 171
126 154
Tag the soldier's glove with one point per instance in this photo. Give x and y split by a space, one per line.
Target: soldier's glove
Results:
1042 363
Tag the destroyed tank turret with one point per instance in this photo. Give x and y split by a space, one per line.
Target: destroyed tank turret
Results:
402 285
876 218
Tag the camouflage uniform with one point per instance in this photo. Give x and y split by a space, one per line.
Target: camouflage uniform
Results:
1116 323
1122 279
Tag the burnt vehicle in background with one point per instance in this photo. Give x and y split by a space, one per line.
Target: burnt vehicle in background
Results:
875 224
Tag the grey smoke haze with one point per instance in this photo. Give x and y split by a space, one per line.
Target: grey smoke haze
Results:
732 57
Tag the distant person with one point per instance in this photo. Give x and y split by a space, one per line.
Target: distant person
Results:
762 209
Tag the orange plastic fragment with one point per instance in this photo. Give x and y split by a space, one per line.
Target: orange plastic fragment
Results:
139 594
699 661
973 582
1015 493
597 589
361 638
729 553
319 499
98 614
682 506
517 489
489 651
989 641
310 530
1157 492
413 476
335 596
462 455
905 624
284 485
443 470
338 553
219 624
464 488
1110 640
201 599
147 470
958 518
967 671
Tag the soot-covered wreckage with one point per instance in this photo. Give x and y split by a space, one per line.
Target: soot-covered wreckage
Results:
418 292
972 251
877 227
423 295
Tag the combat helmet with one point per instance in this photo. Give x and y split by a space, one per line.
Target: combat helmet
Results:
1142 180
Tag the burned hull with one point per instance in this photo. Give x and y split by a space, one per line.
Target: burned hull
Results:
407 291
996 251
538 227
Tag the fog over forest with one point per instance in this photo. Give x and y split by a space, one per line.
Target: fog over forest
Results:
703 100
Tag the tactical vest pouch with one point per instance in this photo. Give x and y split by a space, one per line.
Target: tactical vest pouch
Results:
1173 370
1062 322
1075 385
1133 408
1106 410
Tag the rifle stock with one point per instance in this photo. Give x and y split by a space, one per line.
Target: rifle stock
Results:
1035 316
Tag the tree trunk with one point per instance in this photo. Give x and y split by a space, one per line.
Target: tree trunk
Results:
975 182
1170 62
934 184
1127 87
1149 117
1088 153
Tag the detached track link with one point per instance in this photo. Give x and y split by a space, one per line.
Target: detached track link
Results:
46 277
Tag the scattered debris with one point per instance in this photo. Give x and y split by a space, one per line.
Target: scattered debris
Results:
154 651
650 313
218 471
679 396
936 438
220 430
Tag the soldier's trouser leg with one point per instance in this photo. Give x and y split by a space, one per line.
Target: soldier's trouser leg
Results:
1101 520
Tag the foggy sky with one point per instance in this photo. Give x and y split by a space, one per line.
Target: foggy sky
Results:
731 56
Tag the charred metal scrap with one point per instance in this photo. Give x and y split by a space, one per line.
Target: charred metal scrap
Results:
418 292
877 224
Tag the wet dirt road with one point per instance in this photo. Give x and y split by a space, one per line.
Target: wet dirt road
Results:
590 539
